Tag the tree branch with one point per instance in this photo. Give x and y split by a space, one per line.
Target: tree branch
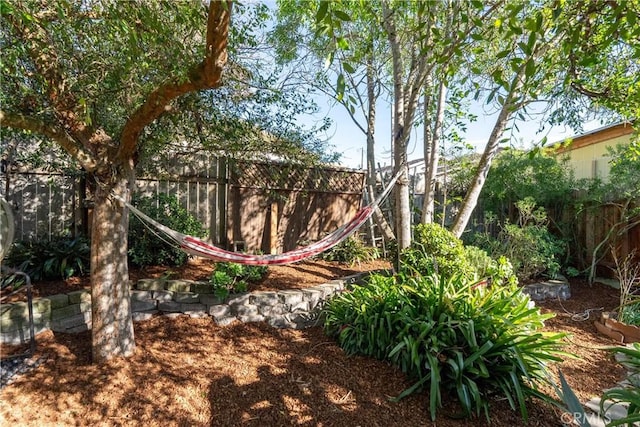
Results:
19 121
206 75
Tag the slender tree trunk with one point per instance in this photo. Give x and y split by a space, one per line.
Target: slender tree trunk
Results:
432 153
400 120
471 198
112 324
378 217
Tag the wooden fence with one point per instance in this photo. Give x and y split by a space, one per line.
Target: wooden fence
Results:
252 206
277 208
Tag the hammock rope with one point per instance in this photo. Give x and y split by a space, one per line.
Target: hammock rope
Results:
197 247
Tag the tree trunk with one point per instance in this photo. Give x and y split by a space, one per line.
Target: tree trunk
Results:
402 207
378 217
509 106
471 198
432 153
112 324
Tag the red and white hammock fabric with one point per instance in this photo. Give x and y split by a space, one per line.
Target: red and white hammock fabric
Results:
197 247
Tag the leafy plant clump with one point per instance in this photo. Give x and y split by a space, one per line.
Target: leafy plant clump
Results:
435 250
498 271
230 278
351 250
59 258
528 245
450 336
146 247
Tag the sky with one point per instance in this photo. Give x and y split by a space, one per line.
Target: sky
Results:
348 140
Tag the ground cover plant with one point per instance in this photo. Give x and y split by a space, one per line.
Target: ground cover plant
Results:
229 278
450 336
59 258
350 251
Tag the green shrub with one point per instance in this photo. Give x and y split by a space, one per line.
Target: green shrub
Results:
528 245
485 267
146 247
434 249
351 250
229 278
449 336
60 258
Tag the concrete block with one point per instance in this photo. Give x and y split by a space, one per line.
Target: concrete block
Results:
196 314
5 308
19 336
245 310
280 322
186 307
65 312
328 289
141 295
290 297
173 315
225 320
76 297
85 307
186 297
202 288
140 305
238 299
79 328
338 283
79 322
179 285
169 306
251 318
313 296
42 305
141 316
17 309
11 324
58 301
210 299
273 310
264 298
218 311
301 306
151 284
163 295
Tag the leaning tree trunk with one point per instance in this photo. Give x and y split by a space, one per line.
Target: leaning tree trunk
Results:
112 324
491 149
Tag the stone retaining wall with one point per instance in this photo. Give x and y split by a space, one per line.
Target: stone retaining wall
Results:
296 308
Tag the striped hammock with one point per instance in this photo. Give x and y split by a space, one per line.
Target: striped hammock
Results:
197 247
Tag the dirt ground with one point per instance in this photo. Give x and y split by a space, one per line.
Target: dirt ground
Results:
191 372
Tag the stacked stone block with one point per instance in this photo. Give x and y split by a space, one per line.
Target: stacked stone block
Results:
295 308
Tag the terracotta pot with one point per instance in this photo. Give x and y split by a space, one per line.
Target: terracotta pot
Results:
619 331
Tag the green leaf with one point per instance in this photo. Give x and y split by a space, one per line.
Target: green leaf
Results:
348 68
342 43
322 11
530 68
572 401
340 87
342 15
